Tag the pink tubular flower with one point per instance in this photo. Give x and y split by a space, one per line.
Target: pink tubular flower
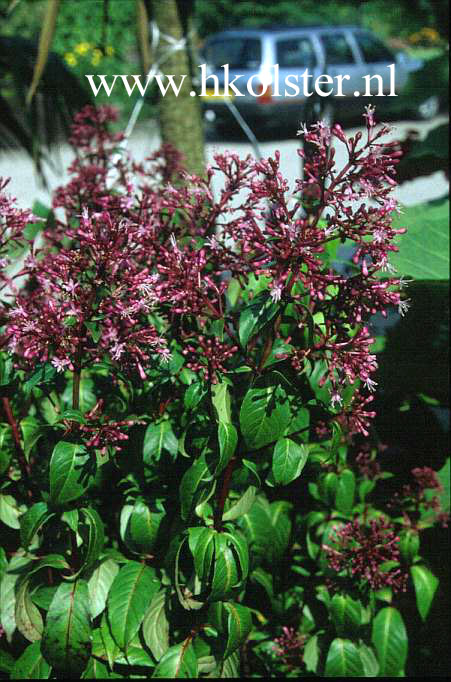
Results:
361 550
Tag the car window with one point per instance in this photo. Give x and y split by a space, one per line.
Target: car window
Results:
373 49
337 49
295 52
238 53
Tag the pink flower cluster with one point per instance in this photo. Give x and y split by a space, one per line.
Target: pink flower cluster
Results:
13 222
140 267
362 550
290 646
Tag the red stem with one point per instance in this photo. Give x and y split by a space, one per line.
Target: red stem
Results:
23 464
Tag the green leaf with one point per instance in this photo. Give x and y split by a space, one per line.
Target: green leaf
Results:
311 654
72 518
345 491
32 431
141 528
155 627
369 661
128 600
255 315
232 620
99 585
343 660
194 478
93 536
221 402
66 641
103 644
6 447
8 595
159 437
267 528
32 521
230 667
193 395
178 662
346 614
28 618
264 415
423 250
10 511
288 460
31 665
228 440
41 376
68 477
425 584
445 479
242 506
389 637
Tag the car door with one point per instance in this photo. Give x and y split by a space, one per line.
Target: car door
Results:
294 54
377 59
341 58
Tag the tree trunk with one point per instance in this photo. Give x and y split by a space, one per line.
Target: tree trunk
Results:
180 116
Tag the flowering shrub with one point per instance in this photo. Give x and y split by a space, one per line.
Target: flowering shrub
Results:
172 362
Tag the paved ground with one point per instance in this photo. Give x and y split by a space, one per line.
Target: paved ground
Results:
25 186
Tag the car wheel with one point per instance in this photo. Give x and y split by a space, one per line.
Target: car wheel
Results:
428 108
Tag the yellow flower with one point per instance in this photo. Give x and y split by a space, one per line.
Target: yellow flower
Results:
70 58
82 48
96 57
109 50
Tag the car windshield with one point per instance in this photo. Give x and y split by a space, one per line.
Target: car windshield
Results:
238 53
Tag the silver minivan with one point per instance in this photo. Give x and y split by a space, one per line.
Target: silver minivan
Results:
302 55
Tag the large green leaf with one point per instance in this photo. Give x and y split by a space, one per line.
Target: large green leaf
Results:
343 660
228 439
242 506
31 665
10 511
344 494
33 519
221 402
288 460
264 415
155 627
267 528
232 620
255 315
346 614
32 431
192 483
389 637
28 617
93 535
159 437
68 476
128 600
66 641
99 585
140 526
178 662
8 595
424 249
425 584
